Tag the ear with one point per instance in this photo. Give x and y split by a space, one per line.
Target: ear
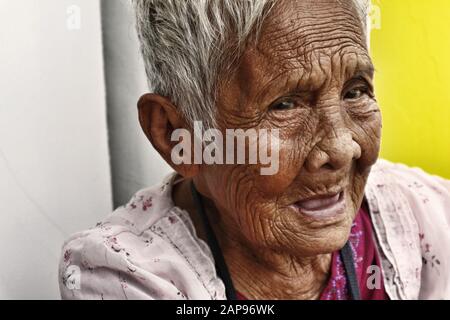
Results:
159 118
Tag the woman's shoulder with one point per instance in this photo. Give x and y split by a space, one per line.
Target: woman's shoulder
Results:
407 191
417 185
411 214
146 249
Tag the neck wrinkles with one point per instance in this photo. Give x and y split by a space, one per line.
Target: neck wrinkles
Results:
263 273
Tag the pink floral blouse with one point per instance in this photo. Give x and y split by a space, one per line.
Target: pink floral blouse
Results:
148 249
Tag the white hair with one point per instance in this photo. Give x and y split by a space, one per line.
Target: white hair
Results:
187 44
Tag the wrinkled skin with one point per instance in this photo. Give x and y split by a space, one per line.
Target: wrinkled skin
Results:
309 75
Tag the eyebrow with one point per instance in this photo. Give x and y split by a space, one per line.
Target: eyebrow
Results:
367 70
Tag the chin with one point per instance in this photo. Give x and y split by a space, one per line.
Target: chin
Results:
313 237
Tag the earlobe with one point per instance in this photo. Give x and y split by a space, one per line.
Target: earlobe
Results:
154 121
159 118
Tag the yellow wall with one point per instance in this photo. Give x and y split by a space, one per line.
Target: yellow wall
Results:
411 53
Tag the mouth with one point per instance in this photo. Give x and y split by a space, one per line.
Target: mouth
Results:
322 207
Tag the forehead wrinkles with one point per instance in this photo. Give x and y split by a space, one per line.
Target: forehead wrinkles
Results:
260 80
305 43
297 29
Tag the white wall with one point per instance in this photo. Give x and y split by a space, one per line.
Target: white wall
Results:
54 166
135 164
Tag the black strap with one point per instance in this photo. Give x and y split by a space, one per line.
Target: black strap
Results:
349 266
224 274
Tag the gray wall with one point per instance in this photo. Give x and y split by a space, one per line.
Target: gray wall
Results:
55 173
135 164
54 162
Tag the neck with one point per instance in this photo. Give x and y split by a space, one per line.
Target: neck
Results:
258 273
267 274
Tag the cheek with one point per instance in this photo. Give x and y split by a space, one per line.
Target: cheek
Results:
292 152
368 136
236 191
233 187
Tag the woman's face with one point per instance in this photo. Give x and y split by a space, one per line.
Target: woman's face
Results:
310 76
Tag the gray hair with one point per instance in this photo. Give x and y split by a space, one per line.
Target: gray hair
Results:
186 44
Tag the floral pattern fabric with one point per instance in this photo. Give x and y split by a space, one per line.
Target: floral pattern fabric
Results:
148 249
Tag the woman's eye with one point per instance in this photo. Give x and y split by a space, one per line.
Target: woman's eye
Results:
284 105
355 94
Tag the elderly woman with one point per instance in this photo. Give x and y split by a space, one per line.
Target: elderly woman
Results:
331 223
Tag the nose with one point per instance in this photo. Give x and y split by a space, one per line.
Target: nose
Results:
336 150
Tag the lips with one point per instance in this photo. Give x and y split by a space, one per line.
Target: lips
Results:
322 207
